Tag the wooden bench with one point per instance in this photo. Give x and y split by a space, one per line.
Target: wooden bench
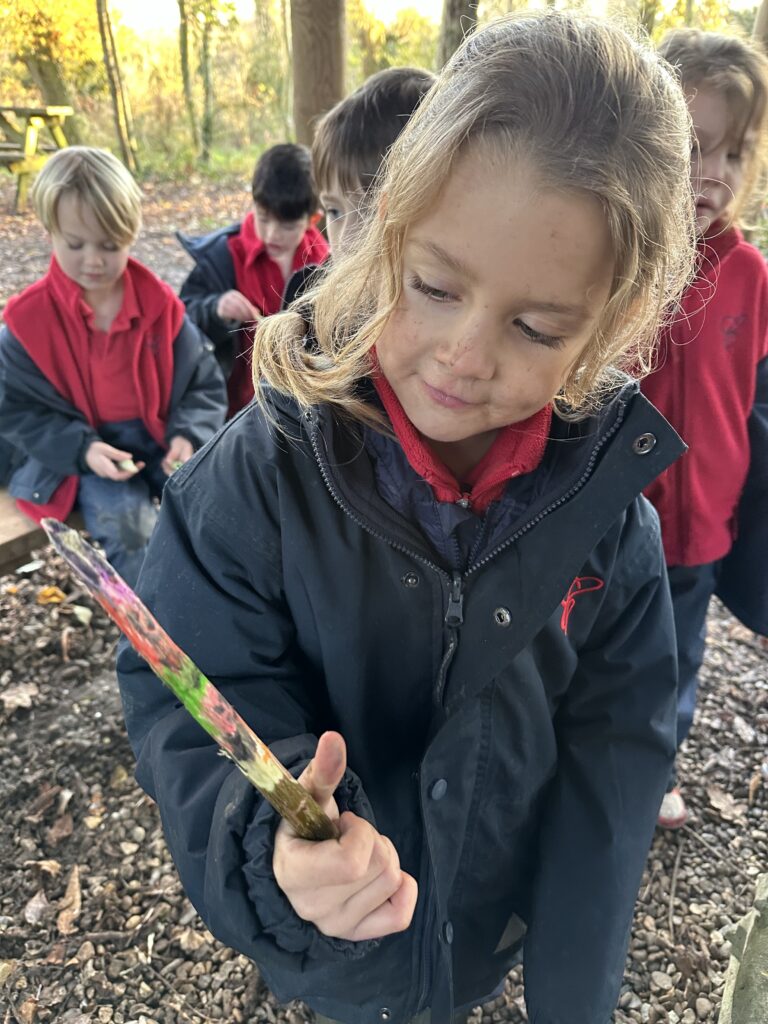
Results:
26 154
19 536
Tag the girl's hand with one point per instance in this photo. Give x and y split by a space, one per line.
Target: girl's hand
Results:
180 451
233 305
102 459
351 887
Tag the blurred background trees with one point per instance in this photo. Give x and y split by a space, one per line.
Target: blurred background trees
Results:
215 85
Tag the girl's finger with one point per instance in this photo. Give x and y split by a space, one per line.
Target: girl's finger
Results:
393 916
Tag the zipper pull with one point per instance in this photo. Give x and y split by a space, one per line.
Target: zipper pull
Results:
454 616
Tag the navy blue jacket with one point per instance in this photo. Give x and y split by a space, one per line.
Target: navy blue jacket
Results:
50 437
212 275
743 581
510 724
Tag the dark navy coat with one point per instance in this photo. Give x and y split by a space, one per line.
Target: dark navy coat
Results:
510 725
49 437
212 275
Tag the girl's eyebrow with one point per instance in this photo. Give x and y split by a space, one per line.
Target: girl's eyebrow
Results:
564 308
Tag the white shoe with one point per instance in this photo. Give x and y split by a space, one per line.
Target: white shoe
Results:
673 813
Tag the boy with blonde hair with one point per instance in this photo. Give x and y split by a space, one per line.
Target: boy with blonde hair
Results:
105 386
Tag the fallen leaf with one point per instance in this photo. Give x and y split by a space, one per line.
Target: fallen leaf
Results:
62 828
57 953
92 821
70 904
19 695
51 595
118 778
64 797
48 867
42 802
27 1011
729 809
32 566
37 909
744 730
190 940
7 968
82 614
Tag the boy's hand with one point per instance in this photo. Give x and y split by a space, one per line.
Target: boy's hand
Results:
351 887
102 459
233 305
179 452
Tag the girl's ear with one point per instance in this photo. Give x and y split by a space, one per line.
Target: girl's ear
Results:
315 218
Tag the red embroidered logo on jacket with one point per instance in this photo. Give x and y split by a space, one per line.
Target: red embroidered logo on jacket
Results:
581 585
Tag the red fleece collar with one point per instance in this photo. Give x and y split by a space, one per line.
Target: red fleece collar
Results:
517 449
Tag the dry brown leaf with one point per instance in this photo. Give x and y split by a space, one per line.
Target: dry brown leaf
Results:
57 953
70 904
51 595
19 695
724 803
62 828
48 867
190 940
7 967
37 909
42 802
27 1011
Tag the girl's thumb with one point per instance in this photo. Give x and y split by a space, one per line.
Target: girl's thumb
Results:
326 769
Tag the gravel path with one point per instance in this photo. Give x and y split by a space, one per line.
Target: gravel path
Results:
94 927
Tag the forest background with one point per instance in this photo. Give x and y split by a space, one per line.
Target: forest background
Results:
213 87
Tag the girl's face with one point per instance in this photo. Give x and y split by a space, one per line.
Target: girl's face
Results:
503 286
82 248
719 156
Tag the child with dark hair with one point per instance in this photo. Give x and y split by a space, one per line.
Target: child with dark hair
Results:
350 144
241 271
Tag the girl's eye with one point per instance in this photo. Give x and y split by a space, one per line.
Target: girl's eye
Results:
547 340
331 213
436 294
109 247
74 246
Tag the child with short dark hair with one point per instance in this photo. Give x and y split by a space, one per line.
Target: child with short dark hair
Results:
105 387
241 271
350 144
423 552
712 376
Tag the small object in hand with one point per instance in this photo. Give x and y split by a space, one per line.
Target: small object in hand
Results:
128 466
176 465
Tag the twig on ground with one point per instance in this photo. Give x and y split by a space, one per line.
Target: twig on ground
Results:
673 887
713 849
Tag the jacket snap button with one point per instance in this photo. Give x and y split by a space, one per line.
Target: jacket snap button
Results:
502 617
410 579
448 932
438 789
643 444
385 1013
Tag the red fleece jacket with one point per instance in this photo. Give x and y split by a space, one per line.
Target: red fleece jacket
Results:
134 358
261 281
705 386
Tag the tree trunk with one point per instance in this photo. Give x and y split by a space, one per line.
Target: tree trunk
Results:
760 31
646 14
206 128
319 61
47 75
286 95
122 114
459 19
186 77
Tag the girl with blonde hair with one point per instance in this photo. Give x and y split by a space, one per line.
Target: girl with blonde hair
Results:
427 573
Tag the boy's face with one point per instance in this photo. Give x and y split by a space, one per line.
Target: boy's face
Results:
719 155
343 216
280 237
504 283
82 248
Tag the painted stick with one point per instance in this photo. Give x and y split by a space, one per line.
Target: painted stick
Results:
198 695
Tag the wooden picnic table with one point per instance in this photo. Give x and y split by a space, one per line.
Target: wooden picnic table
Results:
25 158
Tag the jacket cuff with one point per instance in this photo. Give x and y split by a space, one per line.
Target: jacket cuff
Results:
276 915
83 468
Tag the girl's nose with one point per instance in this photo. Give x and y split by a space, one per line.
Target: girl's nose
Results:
469 350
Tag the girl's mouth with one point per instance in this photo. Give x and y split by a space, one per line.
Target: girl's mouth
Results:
445 399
